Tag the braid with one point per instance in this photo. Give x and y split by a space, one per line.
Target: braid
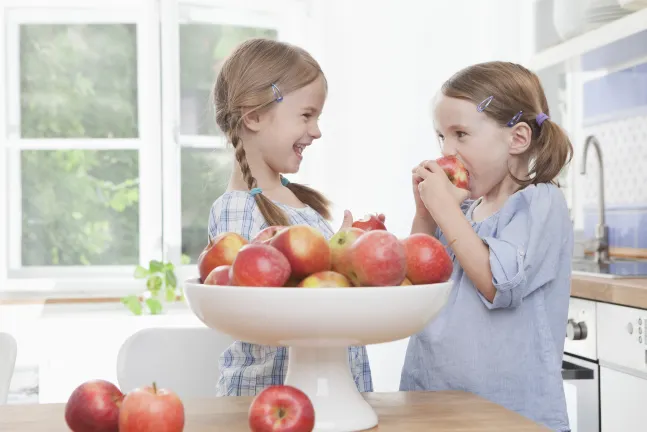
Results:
271 212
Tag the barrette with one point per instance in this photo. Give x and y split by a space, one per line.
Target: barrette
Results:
481 107
515 119
277 93
541 117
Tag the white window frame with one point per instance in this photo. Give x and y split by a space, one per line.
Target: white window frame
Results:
144 14
290 22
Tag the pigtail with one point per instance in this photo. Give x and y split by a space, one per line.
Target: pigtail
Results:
312 198
553 152
271 212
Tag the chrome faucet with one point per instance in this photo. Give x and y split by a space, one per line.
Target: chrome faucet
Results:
601 231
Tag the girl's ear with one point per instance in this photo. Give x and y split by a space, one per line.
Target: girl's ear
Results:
520 138
252 121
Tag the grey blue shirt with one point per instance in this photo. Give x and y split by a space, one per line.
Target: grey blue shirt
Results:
508 351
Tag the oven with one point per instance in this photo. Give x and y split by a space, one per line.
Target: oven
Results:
580 367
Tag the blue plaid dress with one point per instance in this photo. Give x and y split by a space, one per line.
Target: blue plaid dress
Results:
246 369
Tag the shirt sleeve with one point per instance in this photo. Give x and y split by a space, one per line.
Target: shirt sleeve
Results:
526 243
236 212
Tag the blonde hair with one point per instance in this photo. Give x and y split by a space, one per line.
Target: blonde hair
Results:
515 88
243 86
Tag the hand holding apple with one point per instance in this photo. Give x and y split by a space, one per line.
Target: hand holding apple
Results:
149 409
281 408
370 222
436 191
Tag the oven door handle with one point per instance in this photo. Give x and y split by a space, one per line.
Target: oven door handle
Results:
572 371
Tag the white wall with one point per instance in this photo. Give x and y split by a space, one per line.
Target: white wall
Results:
384 61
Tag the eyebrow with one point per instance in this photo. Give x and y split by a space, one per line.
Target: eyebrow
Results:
453 127
311 108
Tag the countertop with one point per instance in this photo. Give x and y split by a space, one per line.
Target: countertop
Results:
625 292
445 411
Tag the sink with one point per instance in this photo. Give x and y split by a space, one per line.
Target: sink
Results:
612 268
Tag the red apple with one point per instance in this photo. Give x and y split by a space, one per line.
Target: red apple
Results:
369 223
149 409
219 276
427 259
94 407
260 265
377 258
265 235
281 408
455 170
339 245
325 279
221 250
306 249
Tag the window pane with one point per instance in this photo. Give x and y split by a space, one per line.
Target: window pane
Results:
205 174
203 48
78 81
80 207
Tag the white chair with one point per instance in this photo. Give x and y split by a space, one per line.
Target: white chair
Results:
8 352
184 360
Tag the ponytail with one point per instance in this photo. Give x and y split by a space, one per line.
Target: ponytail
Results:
553 152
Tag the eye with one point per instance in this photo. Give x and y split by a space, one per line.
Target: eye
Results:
307 116
460 134
441 138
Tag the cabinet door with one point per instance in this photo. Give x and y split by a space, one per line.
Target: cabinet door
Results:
622 401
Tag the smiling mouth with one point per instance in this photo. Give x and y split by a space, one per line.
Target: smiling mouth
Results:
298 149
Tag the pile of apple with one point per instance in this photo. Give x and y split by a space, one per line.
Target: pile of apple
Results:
99 406
300 256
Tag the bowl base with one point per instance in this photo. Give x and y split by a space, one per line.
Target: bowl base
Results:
324 375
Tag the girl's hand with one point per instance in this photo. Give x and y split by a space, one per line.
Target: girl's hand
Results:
421 210
435 189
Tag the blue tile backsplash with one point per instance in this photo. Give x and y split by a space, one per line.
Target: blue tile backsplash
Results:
615 110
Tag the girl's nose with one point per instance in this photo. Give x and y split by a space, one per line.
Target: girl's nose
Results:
315 132
448 149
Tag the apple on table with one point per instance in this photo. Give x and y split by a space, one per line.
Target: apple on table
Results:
281 408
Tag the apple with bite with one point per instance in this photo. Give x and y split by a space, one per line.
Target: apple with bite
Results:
377 258
325 279
219 276
221 250
306 249
339 245
94 407
266 234
455 170
369 223
149 409
260 265
281 408
427 259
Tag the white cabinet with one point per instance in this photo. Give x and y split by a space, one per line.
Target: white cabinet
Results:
622 351
622 401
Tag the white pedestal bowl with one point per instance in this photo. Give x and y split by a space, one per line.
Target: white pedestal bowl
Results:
318 325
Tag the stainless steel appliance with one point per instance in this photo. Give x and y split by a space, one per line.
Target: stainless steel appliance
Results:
580 369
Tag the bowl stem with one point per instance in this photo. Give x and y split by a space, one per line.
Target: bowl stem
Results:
323 373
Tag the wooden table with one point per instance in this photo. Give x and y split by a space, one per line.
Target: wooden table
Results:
398 412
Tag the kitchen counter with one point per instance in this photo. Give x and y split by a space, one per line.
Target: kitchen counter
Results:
445 411
626 292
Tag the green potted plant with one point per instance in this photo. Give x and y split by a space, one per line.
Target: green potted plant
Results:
161 287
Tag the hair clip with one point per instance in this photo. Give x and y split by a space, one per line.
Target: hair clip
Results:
277 93
481 107
284 181
541 117
515 119
255 191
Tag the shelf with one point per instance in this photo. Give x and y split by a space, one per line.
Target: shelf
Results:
589 41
